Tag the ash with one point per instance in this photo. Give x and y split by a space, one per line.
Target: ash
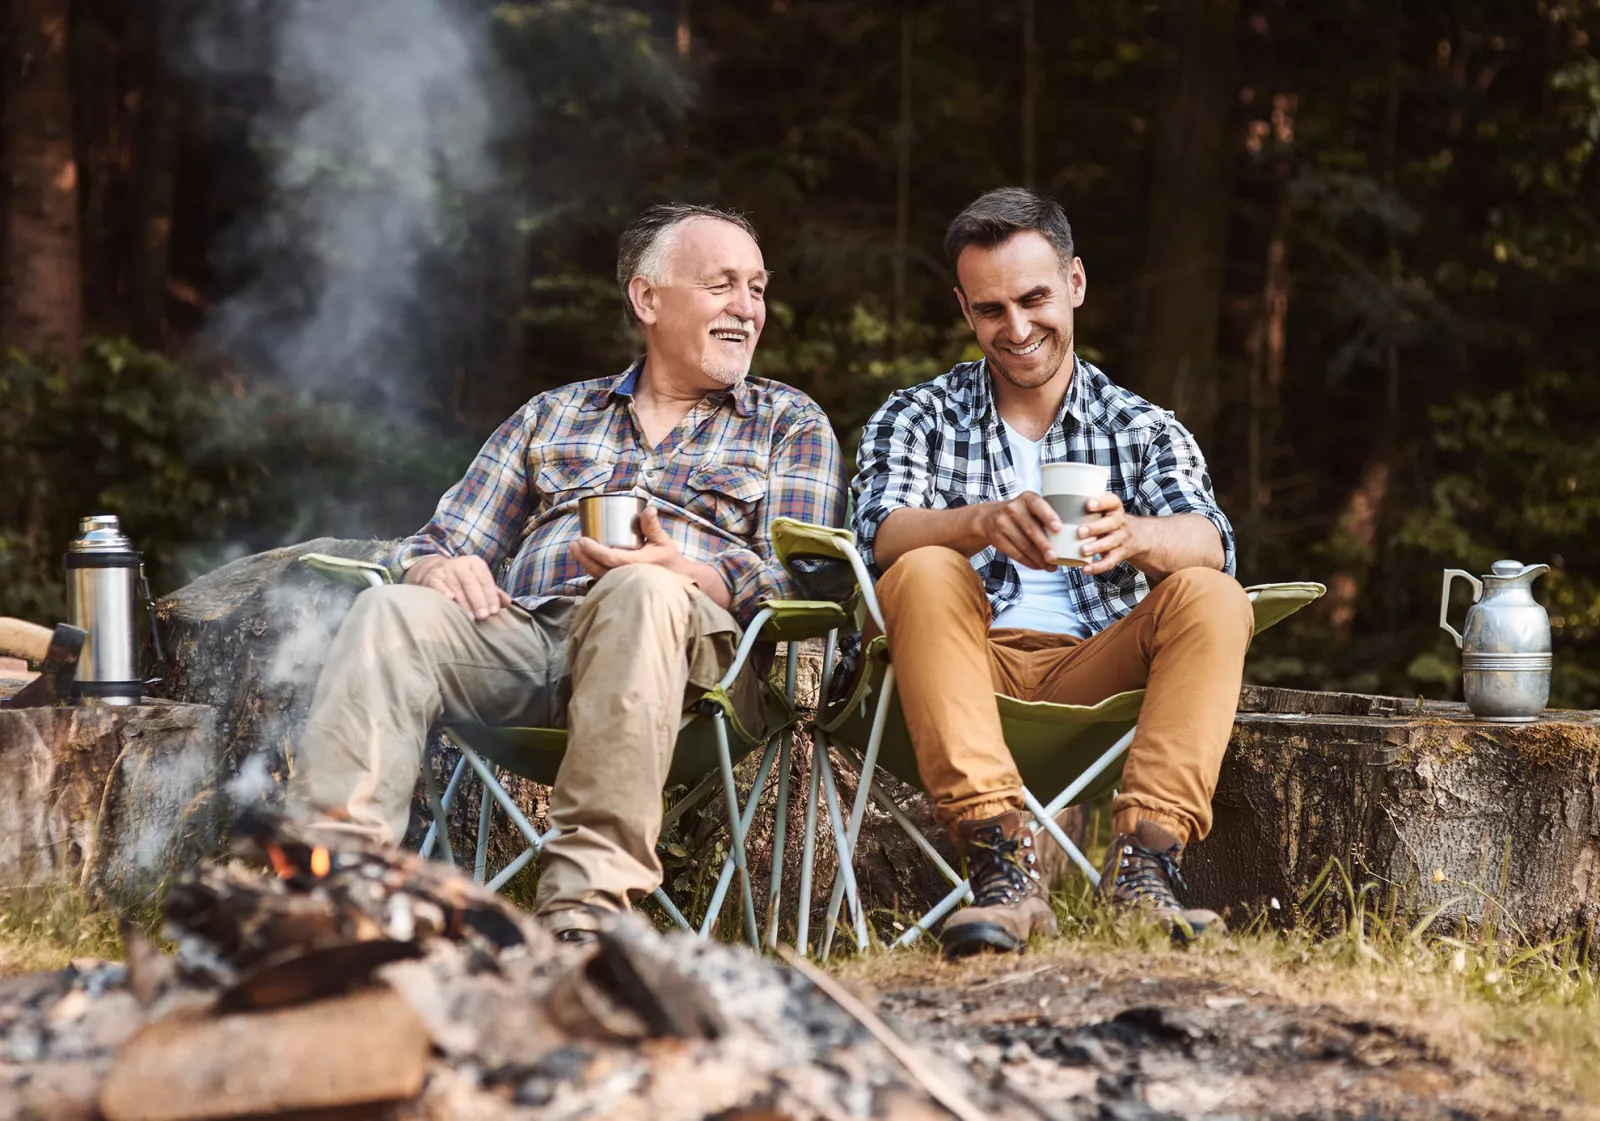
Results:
362 979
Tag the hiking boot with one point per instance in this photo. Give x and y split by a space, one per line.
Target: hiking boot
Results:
1141 872
1009 904
1055 866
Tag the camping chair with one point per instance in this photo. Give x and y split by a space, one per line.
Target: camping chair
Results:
1076 749
702 753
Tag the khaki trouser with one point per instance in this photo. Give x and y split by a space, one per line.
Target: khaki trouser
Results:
1185 644
616 667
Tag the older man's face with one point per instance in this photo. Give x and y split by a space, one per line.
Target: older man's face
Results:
710 312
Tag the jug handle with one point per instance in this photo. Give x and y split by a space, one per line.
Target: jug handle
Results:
1444 598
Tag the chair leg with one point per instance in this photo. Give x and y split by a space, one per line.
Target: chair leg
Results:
869 764
745 818
441 824
480 861
1048 821
909 828
510 870
432 836
808 855
780 824
666 904
731 792
692 799
847 872
1045 813
492 788
779 839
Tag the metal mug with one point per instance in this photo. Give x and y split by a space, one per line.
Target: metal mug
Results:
1067 487
612 519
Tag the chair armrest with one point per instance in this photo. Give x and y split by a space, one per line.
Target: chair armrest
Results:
794 619
1273 603
792 538
347 570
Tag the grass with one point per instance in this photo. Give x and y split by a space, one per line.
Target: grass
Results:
48 927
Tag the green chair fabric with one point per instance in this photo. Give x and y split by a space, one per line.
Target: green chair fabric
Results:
1052 743
535 753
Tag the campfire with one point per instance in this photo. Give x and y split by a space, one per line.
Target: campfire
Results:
358 981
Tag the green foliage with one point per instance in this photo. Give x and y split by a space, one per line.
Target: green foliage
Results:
197 473
116 434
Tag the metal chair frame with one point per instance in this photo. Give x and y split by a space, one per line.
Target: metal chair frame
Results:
791 620
1096 777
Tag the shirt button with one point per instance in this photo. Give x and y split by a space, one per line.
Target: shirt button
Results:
649 472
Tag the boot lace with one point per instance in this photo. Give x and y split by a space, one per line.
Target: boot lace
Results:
1000 867
1147 877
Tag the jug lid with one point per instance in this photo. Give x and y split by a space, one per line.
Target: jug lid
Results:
100 533
1507 568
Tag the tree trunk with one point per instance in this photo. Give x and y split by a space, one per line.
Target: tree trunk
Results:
1030 93
1182 285
1356 536
902 180
42 308
157 132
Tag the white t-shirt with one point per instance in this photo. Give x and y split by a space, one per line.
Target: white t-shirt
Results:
1044 605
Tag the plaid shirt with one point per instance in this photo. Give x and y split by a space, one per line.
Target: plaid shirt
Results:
741 458
941 445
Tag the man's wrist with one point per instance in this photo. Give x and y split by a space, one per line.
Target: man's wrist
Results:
420 569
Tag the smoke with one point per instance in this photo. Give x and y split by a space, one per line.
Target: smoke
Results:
377 123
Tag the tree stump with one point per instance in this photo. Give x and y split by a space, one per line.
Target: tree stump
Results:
249 639
110 800
1489 823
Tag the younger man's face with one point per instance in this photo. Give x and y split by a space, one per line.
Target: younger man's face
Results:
1018 299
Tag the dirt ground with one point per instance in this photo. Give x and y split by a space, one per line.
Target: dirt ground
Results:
1138 1035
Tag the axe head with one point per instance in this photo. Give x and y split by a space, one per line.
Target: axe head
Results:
57 669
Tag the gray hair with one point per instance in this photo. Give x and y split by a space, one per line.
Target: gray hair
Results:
645 247
998 216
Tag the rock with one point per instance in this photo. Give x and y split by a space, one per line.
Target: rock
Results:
109 799
1491 823
351 1050
249 639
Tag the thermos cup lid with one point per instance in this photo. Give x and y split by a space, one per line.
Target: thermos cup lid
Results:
100 533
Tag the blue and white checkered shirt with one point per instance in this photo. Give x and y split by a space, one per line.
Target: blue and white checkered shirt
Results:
941 445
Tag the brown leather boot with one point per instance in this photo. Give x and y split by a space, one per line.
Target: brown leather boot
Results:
1141 871
1009 904
1055 866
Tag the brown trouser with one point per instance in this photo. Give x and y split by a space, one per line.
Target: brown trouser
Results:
616 668
1184 644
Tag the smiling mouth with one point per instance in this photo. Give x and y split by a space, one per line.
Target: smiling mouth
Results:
1024 351
729 336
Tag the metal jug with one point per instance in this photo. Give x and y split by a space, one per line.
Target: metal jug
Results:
1505 647
105 589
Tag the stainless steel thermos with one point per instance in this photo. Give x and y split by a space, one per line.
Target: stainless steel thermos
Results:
105 590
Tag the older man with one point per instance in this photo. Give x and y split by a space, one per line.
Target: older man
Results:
505 614
976 600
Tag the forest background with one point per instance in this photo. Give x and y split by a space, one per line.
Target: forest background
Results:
272 269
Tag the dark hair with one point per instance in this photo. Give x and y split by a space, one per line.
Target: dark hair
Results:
998 216
642 248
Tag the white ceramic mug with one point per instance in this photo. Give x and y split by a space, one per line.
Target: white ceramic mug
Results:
1067 488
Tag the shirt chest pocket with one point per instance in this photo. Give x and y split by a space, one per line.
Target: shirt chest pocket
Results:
564 481
729 496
